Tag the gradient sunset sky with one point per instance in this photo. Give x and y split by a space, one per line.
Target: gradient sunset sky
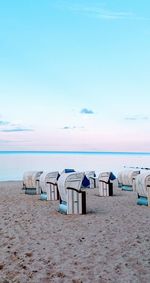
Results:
75 75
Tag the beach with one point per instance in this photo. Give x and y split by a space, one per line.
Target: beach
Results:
111 243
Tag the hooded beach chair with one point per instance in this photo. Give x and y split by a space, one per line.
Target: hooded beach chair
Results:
72 197
91 177
105 183
126 177
31 182
142 188
48 188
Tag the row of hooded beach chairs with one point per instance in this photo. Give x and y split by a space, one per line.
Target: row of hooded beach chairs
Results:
125 179
69 187
137 181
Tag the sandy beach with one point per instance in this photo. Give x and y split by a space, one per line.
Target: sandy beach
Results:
111 243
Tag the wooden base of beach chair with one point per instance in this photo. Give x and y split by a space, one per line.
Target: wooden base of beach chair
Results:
51 194
30 191
77 205
119 185
38 188
142 200
62 207
31 181
52 191
127 188
105 189
43 196
76 201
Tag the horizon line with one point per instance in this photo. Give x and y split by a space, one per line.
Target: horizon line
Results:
73 151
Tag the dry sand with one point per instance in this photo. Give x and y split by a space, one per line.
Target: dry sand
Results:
111 243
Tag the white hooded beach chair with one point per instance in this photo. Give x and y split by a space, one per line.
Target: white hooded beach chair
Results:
126 177
72 197
142 187
105 183
31 182
48 188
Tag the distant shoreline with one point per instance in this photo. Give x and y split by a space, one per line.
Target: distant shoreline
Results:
73 152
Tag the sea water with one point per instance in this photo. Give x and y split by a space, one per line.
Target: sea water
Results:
13 164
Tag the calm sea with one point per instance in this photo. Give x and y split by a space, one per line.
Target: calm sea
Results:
13 164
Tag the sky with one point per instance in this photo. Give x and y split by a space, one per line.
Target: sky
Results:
75 75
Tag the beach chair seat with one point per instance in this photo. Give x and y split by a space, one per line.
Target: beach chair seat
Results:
72 196
48 187
105 183
126 179
31 182
142 188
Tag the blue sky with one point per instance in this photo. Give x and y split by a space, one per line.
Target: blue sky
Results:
74 75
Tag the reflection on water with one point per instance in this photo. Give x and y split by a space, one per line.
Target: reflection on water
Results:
12 166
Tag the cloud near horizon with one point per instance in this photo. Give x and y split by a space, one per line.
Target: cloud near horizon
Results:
71 128
3 123
136 118
67 128
86 111
5 141
16 130
8 127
